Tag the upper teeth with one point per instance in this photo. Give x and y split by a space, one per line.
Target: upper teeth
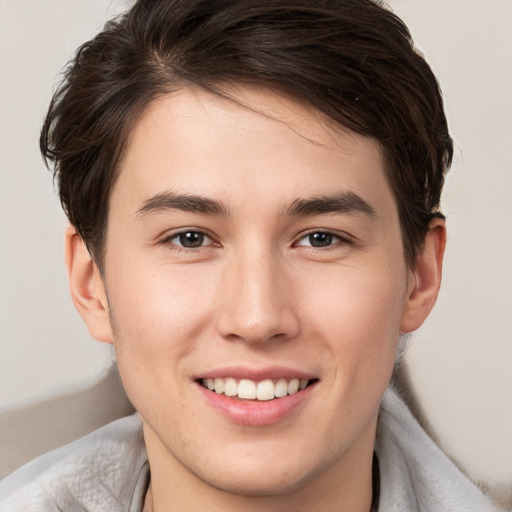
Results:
251 390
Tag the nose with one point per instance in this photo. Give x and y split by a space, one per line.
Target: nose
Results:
257 300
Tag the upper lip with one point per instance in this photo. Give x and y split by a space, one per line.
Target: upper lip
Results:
256 374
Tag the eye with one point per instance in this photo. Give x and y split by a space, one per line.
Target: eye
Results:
319 239
189 239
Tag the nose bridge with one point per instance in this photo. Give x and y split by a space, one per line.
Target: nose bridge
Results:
256 306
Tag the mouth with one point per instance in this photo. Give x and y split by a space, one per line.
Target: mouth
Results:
263 391
257 397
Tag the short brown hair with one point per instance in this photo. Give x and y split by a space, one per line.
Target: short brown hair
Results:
351 59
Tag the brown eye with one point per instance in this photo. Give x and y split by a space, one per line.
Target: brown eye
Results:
319 239
190 239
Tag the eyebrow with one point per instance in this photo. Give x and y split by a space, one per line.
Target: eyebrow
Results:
184 202
342 202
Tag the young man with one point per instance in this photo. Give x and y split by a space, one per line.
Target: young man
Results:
252 189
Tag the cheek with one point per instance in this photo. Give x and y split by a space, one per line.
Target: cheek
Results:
157 318
359 314
159 297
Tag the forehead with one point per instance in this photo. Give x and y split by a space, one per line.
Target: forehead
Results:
257 144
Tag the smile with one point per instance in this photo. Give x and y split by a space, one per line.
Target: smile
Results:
246 389
256 397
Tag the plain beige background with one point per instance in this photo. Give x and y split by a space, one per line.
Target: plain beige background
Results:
460 361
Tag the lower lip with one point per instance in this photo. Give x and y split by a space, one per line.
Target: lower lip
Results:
253 412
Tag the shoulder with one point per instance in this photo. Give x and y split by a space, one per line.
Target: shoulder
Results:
98 472
416 475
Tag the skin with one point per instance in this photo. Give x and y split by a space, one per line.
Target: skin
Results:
255 295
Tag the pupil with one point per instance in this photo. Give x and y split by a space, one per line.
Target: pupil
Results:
191 239
320 239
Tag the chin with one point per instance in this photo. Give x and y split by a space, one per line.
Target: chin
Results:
253 483
267 473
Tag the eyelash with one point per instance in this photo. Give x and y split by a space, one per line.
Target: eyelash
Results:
181 248
343 240
334 236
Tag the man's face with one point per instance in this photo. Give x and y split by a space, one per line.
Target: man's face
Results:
253 245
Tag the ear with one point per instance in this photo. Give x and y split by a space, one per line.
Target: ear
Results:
425 279
87 287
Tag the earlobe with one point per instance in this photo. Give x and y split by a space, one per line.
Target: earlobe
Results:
87 287
425 280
